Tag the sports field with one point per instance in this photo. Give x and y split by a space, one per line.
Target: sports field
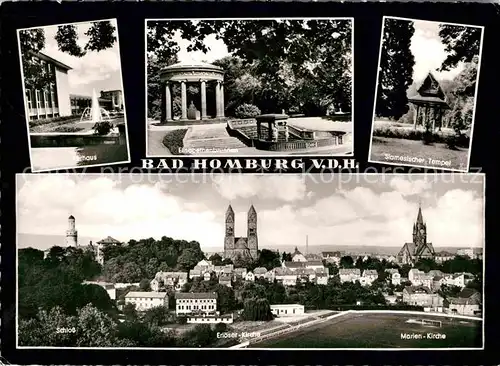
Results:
381 331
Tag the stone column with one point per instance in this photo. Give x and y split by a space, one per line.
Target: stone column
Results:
222 99
440 114
168 103
218 99
433 119
183 100
203 100
415 116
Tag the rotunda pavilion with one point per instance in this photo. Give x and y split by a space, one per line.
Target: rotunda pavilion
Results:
195 72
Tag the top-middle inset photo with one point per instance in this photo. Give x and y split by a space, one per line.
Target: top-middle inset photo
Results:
249 87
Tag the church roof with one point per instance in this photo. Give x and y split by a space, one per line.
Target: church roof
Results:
420 219
252 209
108 240
297 251
71 217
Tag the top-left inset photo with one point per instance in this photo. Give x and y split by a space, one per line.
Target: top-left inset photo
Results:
73 95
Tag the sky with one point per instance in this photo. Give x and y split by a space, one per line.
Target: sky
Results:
217 50
429 52
96 70
368 210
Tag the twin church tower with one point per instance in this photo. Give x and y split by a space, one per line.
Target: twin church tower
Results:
243 247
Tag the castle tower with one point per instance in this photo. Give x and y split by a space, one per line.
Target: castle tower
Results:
71 233
252 240
229 235
419 229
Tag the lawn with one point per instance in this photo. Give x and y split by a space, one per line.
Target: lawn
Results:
379 331
436 155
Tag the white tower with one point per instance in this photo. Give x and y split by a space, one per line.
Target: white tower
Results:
71 233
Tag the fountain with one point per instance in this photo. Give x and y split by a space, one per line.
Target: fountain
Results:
95 113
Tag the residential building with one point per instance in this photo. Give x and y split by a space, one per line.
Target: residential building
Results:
422 296
270 275
239 273
169 280
322 279
207 276
115 98
52 100
293 265
349 274
369 275
195 273
250 276
204 266
108 286
260 272
468 302
209 319
460 279
228 268
443 256
287 309
195 302
225 279
297 256
468 252
313 257
394 276
314 264
145 300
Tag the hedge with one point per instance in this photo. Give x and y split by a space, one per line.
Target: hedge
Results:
418 135
174 141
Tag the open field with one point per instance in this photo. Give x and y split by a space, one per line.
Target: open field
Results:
376 330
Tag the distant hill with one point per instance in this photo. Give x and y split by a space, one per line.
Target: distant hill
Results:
354 249
43 242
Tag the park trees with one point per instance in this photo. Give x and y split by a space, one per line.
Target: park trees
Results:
257 309
100 35
395 69
274 64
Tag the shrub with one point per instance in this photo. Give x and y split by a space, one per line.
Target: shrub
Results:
247 111
102 128
174 141
45 121
220 327
67 129
182 320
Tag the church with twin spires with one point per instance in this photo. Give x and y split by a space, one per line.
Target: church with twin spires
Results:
419 248
243 247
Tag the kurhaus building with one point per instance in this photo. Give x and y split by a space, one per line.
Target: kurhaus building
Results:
54 99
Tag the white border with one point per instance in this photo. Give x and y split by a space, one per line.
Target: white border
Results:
26 107
441 175
475 97
256 155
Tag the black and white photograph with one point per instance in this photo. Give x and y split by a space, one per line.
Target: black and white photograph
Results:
73 92
346 261
249 87
426 95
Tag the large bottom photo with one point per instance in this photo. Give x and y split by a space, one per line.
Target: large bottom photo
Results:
339 261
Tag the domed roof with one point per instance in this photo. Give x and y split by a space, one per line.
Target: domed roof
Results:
71 217
192 65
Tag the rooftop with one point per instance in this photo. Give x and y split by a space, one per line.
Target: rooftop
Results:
196 295
148 294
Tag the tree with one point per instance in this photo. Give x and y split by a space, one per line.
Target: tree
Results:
346 262
188 259
130 312
216 259
144 285
157 316
287 257
462 44
395 69
269 259
101 36
257 309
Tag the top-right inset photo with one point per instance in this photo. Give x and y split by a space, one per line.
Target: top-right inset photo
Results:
426 97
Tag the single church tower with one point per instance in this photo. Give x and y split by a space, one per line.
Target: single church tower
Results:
252 241
229 239
71 233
